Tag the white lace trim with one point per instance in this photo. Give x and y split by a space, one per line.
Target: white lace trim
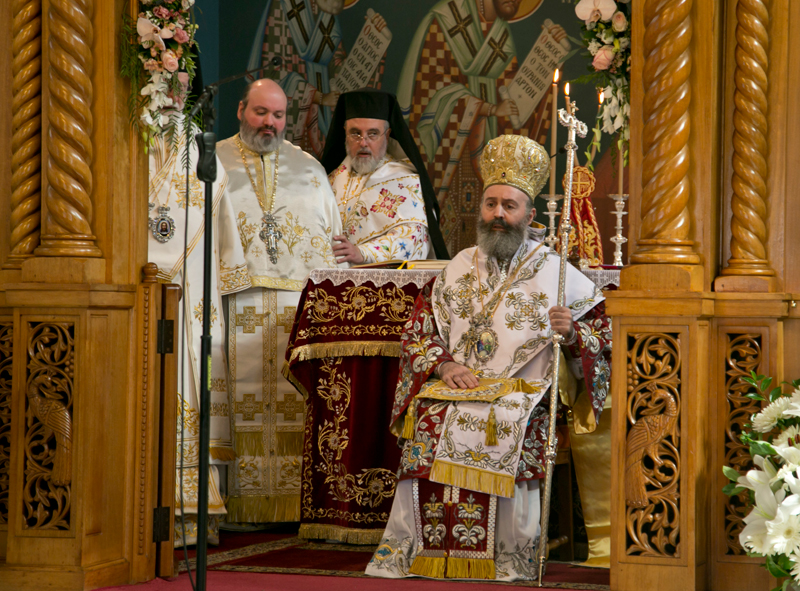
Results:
377 277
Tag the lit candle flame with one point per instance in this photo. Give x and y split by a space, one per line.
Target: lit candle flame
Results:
566 89
555 76
602 96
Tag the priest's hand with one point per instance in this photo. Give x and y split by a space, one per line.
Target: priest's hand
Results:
561 321
346 252
457 376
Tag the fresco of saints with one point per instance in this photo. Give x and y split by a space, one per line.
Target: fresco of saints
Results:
307 36
450 92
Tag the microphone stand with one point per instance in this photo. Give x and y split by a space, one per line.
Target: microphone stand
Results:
207 173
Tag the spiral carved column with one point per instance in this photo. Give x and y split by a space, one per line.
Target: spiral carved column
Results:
749 203
666 219
26 139
67 230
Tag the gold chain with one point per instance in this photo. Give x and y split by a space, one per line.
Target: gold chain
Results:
259 191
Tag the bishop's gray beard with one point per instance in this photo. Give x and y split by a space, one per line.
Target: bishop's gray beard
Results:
501 245
252 138
364 165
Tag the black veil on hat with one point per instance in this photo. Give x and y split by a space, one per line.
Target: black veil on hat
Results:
375 104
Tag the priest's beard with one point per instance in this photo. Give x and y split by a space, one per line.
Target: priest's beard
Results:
368 164
252 138
501 245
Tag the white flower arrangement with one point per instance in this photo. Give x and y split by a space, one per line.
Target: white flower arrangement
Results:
158 55
607 36
772 528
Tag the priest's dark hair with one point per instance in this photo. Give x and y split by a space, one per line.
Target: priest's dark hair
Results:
369 103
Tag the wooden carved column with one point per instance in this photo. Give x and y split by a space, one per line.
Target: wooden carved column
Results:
6 362
665 235
67 227
748 268
26 138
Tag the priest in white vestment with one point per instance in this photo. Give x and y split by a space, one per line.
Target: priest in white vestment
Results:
385 197
168 222
467 504
286 216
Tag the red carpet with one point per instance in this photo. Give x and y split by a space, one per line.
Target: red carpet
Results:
279 560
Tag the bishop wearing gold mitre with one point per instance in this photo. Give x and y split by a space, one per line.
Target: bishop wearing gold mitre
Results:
467 504
286 215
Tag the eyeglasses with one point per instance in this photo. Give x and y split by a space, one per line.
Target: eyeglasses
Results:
371 136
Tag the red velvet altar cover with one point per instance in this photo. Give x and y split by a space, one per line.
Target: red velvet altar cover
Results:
343 357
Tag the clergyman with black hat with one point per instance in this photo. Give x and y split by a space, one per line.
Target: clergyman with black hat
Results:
385 197
467 504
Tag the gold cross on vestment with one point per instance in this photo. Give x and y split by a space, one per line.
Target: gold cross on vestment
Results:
460 27
583 182
326 39
249 320
294 13
286 320
248 407
290 407
497 52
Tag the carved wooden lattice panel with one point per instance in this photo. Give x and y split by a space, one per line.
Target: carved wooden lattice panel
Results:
743 354
48 426
6 357
652 455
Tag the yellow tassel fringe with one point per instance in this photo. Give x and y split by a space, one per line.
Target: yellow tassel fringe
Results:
249 443
259 509
346 535
491 429
492 483
428 566
223 454
346 348
289 443
410 420
470 568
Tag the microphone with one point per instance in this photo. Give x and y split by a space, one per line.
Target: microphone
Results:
561 150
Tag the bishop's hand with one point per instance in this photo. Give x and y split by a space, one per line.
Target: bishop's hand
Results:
345 251
457 376
561 321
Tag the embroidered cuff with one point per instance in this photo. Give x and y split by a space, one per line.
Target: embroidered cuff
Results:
368 258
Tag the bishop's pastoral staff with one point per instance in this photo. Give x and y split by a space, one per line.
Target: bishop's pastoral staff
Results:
386 200
467 504
168 221
286 216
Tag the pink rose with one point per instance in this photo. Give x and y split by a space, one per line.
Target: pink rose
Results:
161 12
603 57
170 60
182 36
619 22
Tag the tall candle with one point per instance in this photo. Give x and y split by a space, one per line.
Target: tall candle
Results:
553 134
566 97
599 108
621 159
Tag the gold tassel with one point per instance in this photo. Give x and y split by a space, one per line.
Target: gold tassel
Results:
491 429
410 421
223 454
428 566
470 568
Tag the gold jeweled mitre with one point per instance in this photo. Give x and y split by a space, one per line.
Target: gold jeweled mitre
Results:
517 161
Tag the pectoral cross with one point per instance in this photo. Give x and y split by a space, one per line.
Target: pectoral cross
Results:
270 234
294 13
497 52
326 39
461 27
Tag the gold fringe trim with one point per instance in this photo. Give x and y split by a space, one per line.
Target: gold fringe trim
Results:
287 373
263 509
470 568
249 443
346 348
276 282
321 531
223 454
289 443
428 566
492 483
